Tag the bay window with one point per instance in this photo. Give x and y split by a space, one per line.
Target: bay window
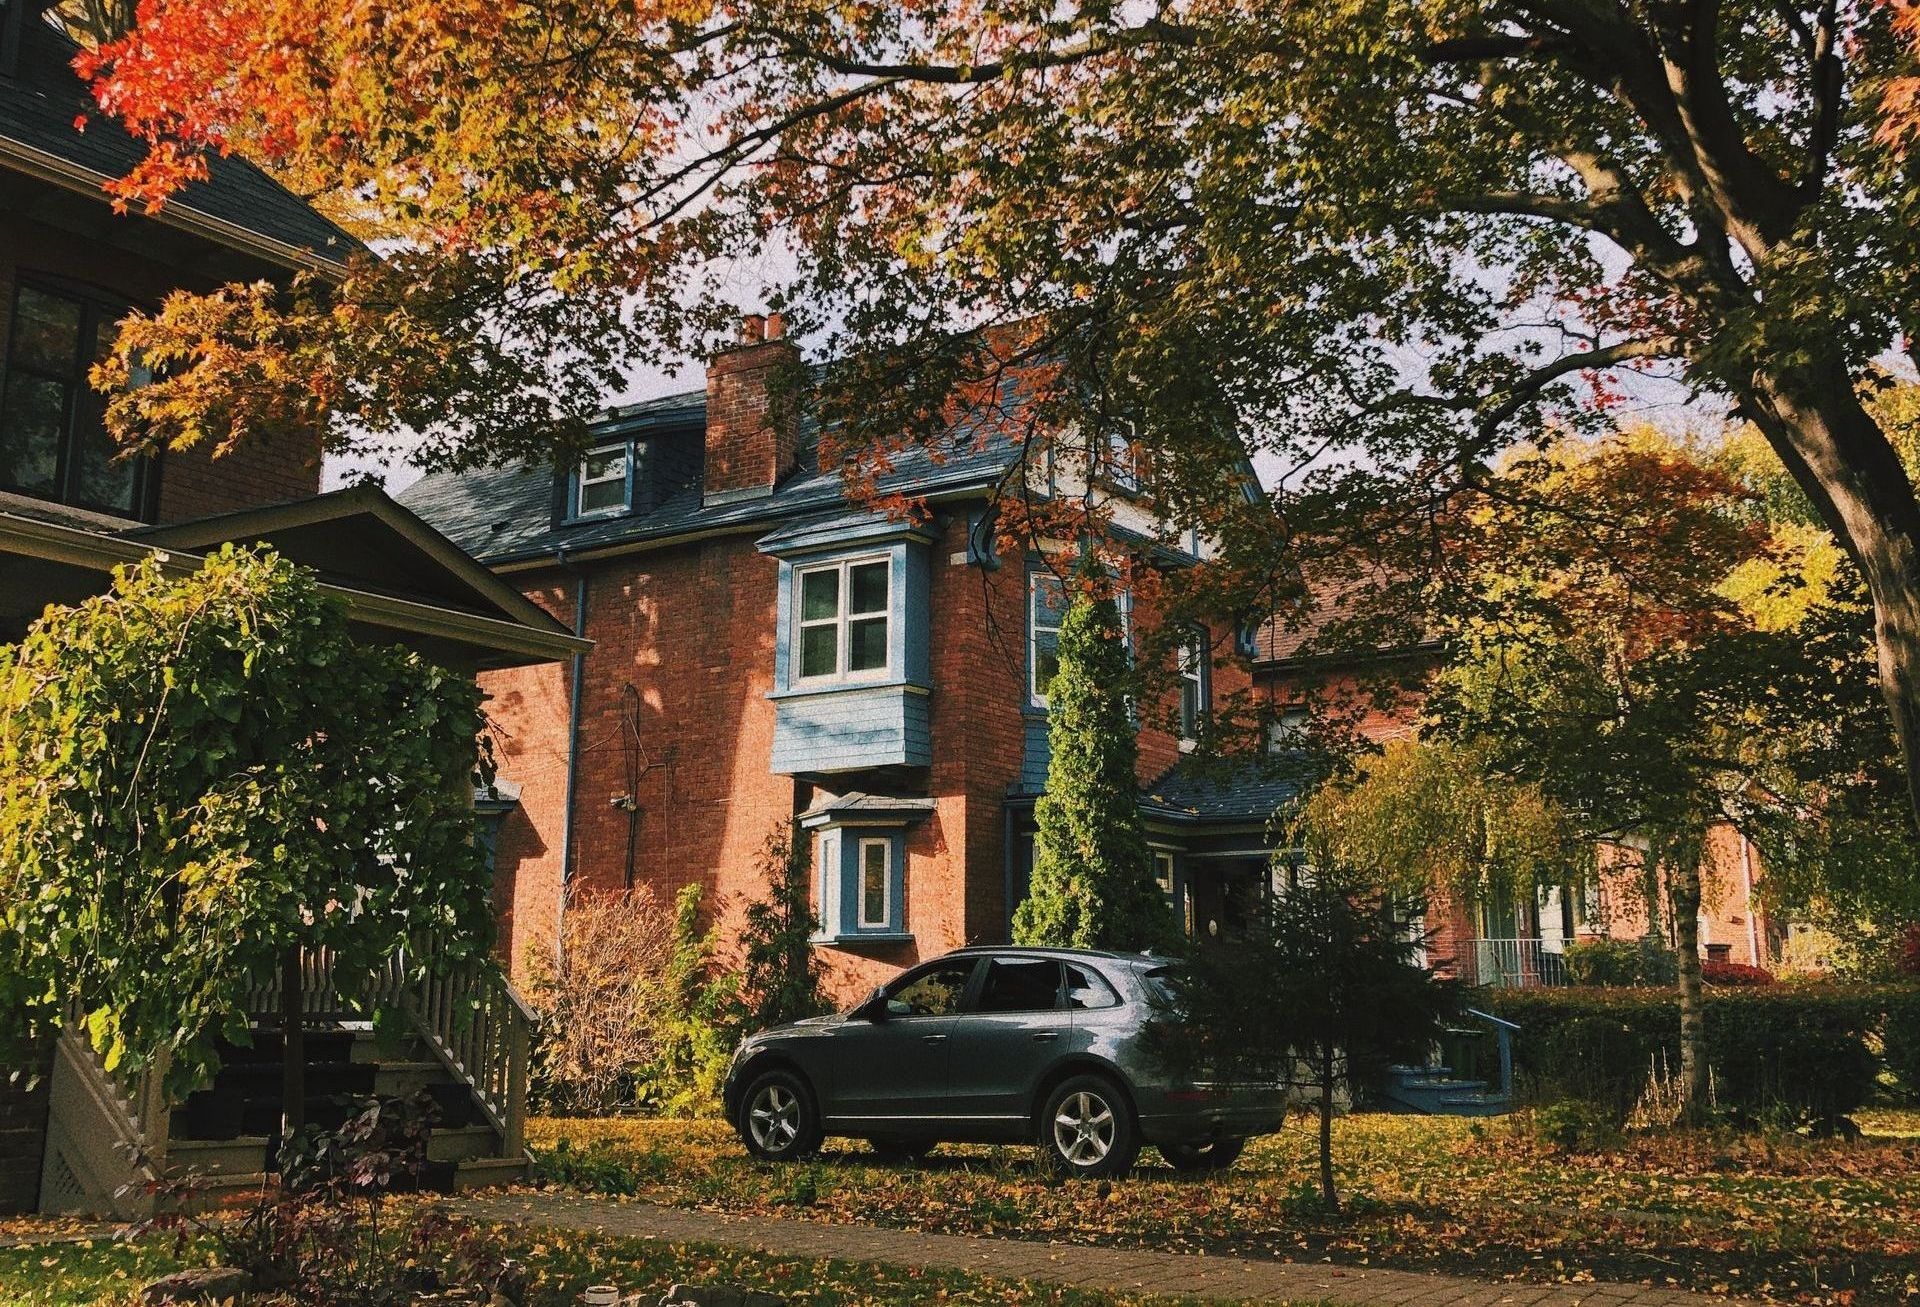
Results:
843 614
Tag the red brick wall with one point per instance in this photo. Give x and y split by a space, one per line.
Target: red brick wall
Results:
192 483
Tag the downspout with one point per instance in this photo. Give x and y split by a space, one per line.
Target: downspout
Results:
575 696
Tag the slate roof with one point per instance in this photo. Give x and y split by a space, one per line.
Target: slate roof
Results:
858 802
505 514
1251 791
37 112
1288 637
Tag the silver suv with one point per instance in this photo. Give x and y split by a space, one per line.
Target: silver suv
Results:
994 1045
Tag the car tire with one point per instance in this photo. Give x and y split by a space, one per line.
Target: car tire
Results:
901 1152
1217 1155
1087 1129
778 1120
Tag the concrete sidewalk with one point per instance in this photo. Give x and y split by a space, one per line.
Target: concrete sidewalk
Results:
1114 1270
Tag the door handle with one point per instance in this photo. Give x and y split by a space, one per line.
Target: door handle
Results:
933 1039
1045 1036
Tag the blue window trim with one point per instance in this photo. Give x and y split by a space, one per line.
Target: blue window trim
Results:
909 594
836 876
572 513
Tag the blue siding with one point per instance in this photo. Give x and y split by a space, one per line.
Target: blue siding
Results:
840 886
852 728
1037 756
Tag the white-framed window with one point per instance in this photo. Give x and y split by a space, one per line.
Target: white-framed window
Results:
842 620
1289 731
1117 463
826 862
601 483
876 883
1046 610
1193 686
1163 872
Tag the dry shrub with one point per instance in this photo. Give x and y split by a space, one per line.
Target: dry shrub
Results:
597 1003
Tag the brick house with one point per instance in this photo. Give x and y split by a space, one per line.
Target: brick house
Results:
765 648
70 511
1379 694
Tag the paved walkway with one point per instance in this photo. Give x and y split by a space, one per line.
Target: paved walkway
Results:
1115 1270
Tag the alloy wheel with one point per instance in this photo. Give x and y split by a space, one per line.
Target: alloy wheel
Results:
774 1118
1083 1129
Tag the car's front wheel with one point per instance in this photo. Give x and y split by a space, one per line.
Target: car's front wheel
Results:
778 1120
1087 1129
1217 1155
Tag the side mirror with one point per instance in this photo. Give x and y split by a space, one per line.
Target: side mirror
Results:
875 1006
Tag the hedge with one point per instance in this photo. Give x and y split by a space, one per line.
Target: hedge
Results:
1805 1053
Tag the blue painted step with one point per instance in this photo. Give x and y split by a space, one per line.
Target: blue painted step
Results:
1434 1091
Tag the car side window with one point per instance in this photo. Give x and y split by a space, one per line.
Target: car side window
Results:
1087 988
934 993
1020 985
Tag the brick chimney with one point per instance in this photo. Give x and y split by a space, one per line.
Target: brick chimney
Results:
751 444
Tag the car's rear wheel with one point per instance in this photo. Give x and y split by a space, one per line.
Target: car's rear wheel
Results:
1217 1155
901 1152
778 1120
1087 1129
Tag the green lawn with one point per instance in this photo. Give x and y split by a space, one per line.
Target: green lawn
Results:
1773 1217
104 1273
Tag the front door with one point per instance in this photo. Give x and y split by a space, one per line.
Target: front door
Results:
897 1066
1015 1027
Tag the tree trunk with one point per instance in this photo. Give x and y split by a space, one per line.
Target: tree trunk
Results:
1684 891
1328 1193
1843 460
293 1048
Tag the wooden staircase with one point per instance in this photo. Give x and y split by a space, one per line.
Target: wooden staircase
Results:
465 1043
1434 1089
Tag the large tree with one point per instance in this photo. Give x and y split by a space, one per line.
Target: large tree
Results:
200 777
1602 652
1392 229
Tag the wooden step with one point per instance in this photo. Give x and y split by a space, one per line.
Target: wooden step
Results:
464 1144
486 1172
246 1155
399 1079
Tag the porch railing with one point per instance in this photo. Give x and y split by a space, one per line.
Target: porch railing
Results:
1514 963
471 1019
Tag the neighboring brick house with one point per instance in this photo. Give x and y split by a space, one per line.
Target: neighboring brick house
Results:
1379 693
71 1136
765 648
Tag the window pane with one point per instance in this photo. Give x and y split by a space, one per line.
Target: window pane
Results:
1049 600
46 332
819 650
873 884
97 478
935 993
1087 989
1021 986
601 496
867 645
868 582
819 595
30 424
1046 662
603 464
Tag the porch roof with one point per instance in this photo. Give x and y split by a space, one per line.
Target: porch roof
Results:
1191 793
401 581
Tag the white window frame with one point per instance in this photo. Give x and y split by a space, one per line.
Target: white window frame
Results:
1290 729
1117 463
826 853
581 481
1035 580
1193 671
1163 876
841 620
885 845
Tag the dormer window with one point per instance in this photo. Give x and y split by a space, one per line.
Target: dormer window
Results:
1117 463
602 484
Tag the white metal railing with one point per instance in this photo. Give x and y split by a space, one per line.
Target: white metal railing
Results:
1515 963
